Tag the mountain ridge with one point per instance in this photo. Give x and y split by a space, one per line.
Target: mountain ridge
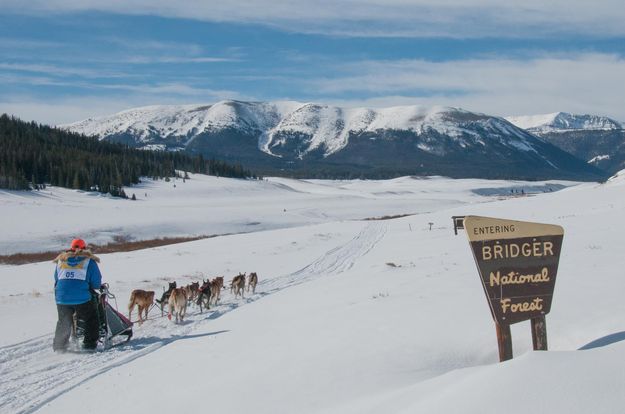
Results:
563 122
296 137
327 125
598 140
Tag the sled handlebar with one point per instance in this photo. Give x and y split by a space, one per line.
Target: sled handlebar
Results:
104 290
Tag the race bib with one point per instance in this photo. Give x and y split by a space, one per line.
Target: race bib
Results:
77 272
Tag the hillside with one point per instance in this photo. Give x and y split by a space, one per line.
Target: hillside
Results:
311 140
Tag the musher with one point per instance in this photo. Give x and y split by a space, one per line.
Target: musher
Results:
75 278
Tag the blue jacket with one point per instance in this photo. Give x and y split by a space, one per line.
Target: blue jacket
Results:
75 274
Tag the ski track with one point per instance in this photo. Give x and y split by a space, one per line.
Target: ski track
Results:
32 375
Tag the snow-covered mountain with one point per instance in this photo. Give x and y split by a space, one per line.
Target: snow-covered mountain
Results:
599 140
325 126
182 123
308 138
563 122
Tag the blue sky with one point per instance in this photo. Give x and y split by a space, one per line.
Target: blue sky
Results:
62 60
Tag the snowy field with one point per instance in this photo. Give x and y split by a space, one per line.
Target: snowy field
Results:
45 220
350 315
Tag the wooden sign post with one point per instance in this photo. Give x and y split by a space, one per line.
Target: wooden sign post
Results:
518 264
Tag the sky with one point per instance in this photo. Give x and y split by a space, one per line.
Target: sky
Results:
67 60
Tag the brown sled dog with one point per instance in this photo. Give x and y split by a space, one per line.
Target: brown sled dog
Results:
252 281
237 285
143 299
177 304
216 285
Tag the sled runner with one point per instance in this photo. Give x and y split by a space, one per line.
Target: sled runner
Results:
112 324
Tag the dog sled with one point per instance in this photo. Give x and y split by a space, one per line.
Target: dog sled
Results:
113 326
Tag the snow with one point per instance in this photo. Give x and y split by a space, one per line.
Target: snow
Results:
323 124
618 178
184 121
562 122
350 315
532 121
599 158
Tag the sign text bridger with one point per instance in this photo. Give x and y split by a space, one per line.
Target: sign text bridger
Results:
512 250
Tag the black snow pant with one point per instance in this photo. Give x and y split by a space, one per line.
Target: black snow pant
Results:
88 315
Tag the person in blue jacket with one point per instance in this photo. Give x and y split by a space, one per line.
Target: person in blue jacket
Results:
75 277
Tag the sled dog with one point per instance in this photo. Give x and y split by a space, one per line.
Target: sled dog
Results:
216 285
143 299
165 298
237 285
193 290
177 304
252 281
204 294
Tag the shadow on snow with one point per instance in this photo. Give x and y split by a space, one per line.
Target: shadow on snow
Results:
604 341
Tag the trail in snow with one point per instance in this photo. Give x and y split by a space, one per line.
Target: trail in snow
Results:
333 262
31 374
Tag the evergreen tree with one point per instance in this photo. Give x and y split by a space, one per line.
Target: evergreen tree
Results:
42 154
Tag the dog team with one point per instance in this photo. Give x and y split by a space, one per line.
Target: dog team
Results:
177 299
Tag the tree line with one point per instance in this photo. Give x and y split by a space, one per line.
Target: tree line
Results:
33 155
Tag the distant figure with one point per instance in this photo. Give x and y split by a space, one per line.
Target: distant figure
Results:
76 275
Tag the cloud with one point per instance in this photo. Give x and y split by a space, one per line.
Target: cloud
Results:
158 89
177 59
62 110
55 70
585 83
410 18
168 89
151 45
590 83
13 43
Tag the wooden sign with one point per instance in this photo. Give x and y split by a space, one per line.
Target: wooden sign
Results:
518 265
